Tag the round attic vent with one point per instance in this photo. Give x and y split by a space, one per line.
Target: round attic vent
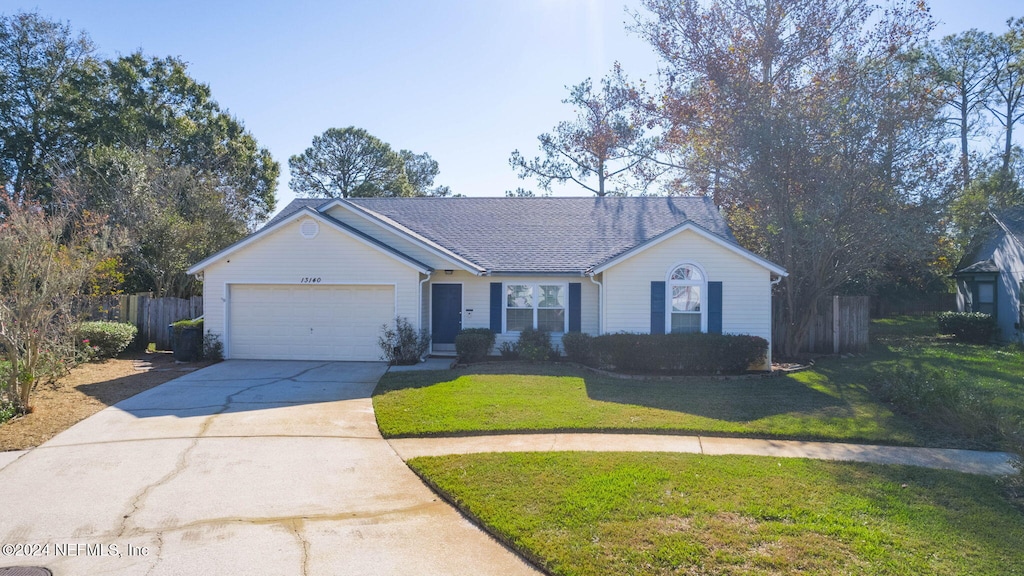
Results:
309 228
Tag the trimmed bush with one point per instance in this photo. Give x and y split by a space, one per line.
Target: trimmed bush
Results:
535 346
401 344
579 347
679 353
973 327
474 344
107 339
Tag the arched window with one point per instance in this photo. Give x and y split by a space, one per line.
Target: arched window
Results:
687 297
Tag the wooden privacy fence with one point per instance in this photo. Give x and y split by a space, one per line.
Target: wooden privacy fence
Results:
150 315
838 328
922 304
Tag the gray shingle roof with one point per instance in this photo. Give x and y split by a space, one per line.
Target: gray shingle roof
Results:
1013 220
522 235
978 267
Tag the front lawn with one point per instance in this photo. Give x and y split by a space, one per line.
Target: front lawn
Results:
614 513
989 376
836 400
497 397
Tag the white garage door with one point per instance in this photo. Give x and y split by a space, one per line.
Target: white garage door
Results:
279 322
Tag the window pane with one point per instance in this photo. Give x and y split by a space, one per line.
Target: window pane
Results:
687 273
518 319
685 322
551 320
552 297
986 293
686 298
519 296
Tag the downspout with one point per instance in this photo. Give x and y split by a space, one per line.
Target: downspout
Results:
419 306
771 320
600 303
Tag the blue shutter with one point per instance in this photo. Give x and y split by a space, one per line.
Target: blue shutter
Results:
658 308
714 307
496 307
575 308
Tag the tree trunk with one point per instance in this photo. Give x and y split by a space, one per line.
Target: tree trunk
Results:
964 151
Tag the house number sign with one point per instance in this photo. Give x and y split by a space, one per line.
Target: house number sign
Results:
310 280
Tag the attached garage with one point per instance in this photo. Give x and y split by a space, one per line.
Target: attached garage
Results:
303 322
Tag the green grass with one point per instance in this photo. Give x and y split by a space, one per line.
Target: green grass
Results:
836 400
995 371
615 513
522 397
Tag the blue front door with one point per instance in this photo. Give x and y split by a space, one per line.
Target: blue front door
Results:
446 306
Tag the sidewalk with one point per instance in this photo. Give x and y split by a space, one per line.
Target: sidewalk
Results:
970 461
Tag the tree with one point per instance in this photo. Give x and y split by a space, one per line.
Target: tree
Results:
961 64
603 143
48 79
46 256
171 216
352 163
1007 84
420 171
64 115
818 136
152 105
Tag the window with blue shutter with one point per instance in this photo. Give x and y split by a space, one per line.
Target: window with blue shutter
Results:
575 307
657 307
496 307
714 307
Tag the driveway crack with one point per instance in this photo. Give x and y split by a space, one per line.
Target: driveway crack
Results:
159 553
296 525
139 499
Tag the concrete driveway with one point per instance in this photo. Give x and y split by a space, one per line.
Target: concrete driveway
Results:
244 467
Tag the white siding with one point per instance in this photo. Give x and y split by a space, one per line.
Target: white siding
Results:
746 286
399 242
285 257
476 296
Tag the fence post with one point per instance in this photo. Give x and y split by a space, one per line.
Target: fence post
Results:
835 324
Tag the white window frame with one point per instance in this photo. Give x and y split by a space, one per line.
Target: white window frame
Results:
535 293
703 284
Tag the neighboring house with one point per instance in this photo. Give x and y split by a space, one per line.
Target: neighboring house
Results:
990 277
322 277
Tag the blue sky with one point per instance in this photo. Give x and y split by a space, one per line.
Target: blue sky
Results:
466 80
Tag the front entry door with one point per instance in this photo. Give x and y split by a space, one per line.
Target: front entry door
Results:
446 321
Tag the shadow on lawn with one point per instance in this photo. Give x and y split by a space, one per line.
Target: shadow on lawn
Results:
727 399
731 400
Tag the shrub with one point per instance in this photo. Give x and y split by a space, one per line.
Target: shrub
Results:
973 327
474 344
679 353
509 350
213 348
579 347
401 344
535 345
106 339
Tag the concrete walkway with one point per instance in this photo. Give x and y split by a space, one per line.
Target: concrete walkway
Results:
971 461
244 467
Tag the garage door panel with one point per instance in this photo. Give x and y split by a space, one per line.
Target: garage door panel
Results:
308 322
